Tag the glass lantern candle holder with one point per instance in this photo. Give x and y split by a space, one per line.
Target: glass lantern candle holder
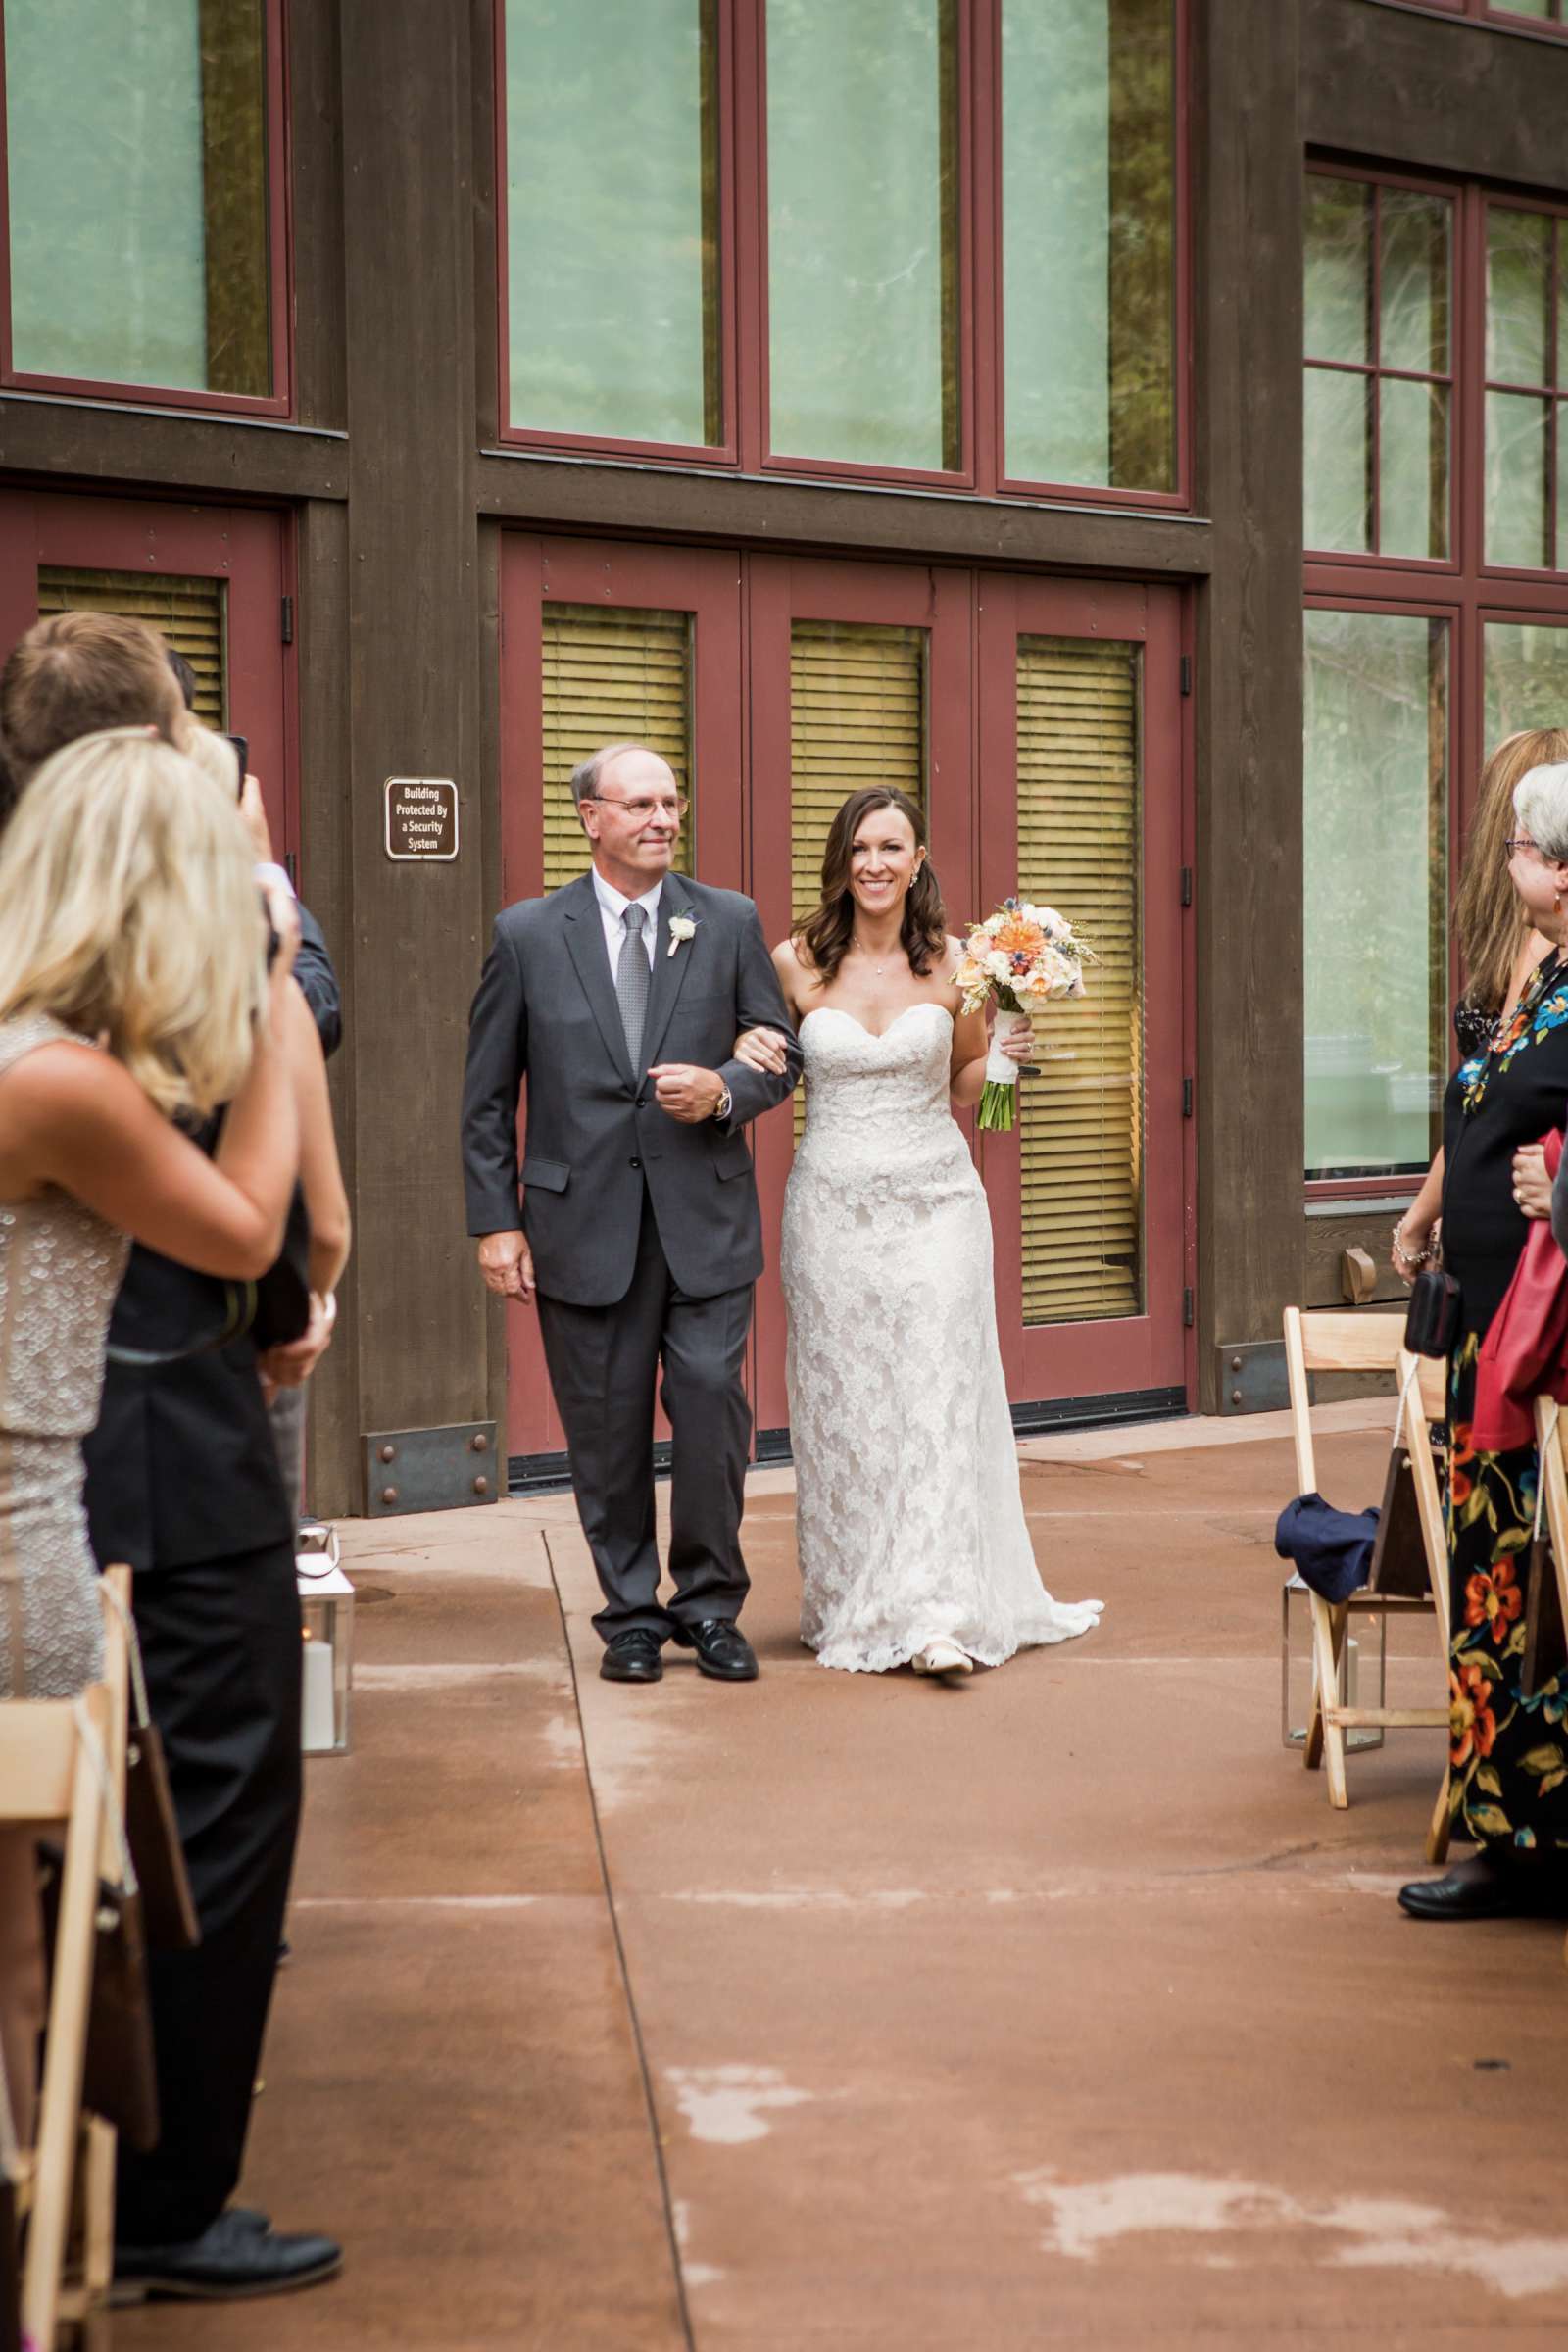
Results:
1364 1667
327 1620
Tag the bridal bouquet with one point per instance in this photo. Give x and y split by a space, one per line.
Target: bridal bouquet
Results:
1026 956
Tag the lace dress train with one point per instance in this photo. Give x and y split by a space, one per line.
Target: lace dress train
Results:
910 1513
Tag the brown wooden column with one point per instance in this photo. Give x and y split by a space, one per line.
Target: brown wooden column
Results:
1249 166
414 936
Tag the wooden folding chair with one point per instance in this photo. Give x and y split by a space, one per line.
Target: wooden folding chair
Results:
1363 1342
50 1779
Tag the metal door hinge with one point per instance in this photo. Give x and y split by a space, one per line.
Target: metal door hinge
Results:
1186 1098
287 620
1186 885
1187 1309
1187 673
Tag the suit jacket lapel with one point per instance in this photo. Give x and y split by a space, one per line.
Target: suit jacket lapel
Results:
585 938
669 971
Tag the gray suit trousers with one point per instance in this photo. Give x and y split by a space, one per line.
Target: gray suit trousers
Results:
604 1367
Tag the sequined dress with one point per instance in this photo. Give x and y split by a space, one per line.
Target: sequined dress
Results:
60 1268
910 1514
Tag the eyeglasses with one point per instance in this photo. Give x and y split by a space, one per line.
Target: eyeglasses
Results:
642 810
1521 841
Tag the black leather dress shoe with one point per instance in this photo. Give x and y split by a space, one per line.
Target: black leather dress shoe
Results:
1476 1890
634 1657
230 2260
722 1649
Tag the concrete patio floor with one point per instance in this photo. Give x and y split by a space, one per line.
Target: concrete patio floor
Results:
839 2011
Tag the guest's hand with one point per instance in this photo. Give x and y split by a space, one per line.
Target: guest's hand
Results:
507 1265
290 1366
253 809
284 913
689 1094
762 1050
1410 1250
1532 1186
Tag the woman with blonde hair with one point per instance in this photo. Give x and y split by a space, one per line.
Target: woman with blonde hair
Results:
1498 950
134 986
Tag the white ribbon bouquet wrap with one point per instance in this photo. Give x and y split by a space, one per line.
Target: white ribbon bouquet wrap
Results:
1026 958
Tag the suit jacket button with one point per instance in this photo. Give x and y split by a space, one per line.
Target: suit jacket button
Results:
634 1163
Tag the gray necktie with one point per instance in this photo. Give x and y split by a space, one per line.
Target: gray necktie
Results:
632 978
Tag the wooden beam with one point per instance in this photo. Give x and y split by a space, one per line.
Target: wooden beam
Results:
1248 331
61 440
649 501
418 929
1400 85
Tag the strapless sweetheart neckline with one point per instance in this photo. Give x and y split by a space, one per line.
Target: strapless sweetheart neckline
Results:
925 1005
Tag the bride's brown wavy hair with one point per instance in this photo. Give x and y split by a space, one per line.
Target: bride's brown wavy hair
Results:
823 939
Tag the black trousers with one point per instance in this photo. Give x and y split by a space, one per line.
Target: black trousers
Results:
603 1368
221 1642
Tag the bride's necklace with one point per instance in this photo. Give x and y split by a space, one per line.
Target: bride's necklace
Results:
862 948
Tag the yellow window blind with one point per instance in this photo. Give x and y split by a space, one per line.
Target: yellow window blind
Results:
611 675
857 717
1082 1120
190 612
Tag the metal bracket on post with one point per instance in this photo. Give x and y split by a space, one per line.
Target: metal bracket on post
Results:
1252 1376
430 1469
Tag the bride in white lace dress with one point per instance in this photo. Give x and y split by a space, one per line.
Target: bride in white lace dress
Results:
913 1546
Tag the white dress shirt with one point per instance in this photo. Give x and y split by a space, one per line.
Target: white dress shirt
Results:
612 906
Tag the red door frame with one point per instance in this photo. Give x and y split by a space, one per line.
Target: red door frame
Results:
249 547
1147 1351
782 590
705 584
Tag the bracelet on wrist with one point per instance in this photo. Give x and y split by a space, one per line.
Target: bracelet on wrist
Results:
1412 1260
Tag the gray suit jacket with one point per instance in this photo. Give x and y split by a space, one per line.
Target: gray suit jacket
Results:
546 1010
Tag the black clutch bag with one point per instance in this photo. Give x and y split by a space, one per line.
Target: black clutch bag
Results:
1432 1320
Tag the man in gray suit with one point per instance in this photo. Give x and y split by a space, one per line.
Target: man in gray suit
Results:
619 998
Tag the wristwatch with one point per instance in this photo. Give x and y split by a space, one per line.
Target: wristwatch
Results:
724 1106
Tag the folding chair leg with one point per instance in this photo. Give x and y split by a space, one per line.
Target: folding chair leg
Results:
1437 1833
1328 1634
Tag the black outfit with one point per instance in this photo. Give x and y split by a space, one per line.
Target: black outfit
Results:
183 1482
1507 1790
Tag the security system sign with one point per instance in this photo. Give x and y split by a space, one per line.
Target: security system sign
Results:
421 817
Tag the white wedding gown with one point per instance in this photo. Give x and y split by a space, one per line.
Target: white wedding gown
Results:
910 1514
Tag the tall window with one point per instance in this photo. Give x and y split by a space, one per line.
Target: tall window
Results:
1526 369
941 241
1089 227
612 211
144 218
1436 378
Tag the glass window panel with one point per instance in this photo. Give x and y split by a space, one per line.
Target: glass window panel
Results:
1413 469
1526 671
612 219
1562 304
1522 8
191 613
1339 269
1413 281
863 232
1374 907
1338 461
1518 296
610 676
1081 1125
136 152
1516 479
1088 241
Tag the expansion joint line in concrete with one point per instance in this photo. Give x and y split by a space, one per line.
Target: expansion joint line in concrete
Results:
635 2020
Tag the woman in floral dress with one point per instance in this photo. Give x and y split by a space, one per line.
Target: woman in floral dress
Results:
1509 1753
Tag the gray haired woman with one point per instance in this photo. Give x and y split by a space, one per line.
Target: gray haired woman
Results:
1508 1754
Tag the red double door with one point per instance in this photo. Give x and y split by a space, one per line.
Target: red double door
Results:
1040 723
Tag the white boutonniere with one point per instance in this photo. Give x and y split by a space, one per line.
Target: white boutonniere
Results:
681 928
